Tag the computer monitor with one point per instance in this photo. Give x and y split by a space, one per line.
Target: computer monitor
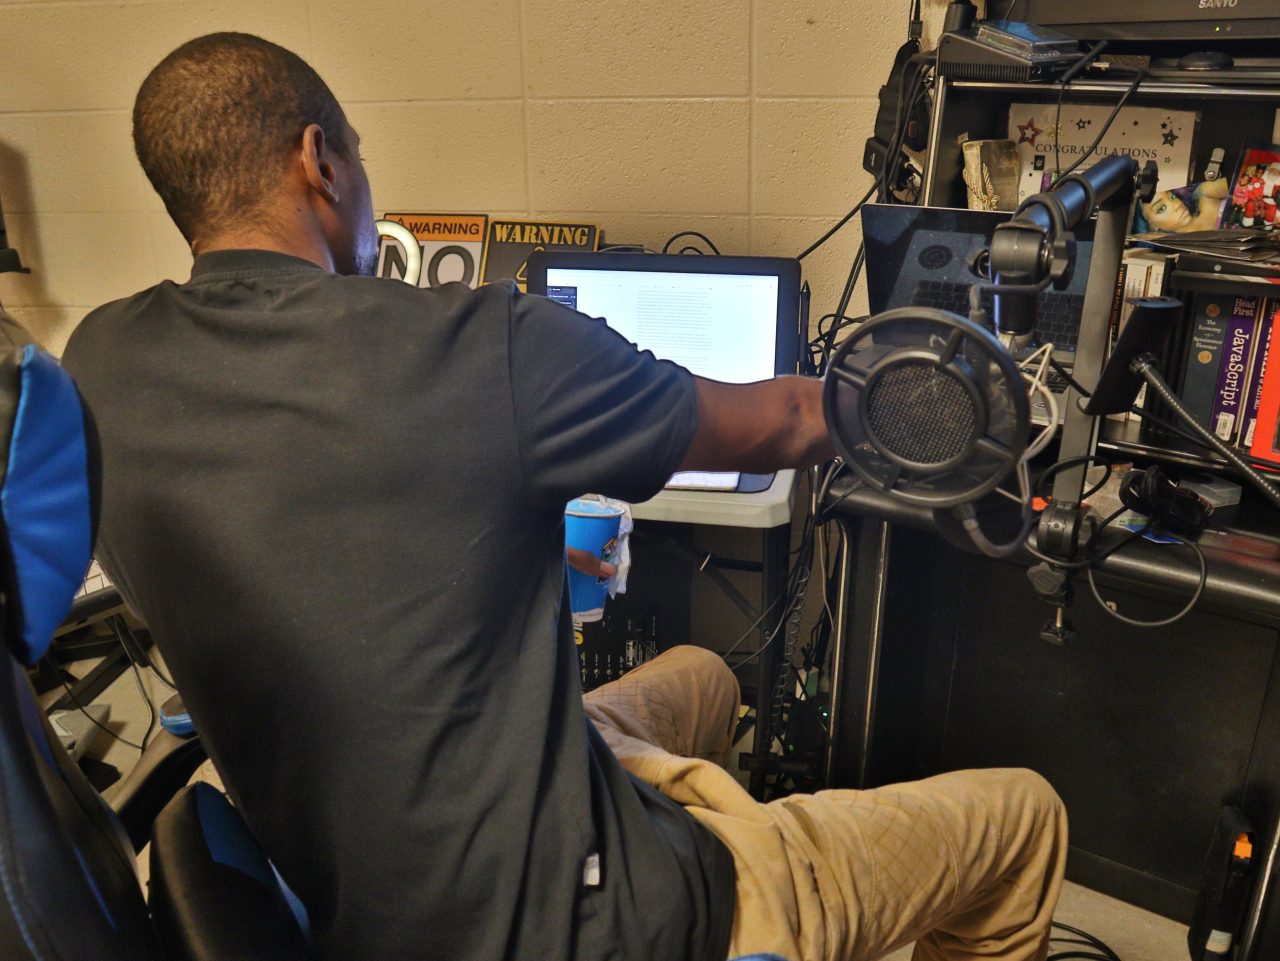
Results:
1150 20
732 319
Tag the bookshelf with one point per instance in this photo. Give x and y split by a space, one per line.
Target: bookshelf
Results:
1144 733
1231 116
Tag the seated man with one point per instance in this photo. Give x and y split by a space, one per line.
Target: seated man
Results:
338 500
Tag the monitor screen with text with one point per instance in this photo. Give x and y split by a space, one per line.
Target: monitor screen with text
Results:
719 326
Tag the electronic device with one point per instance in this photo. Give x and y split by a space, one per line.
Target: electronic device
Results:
920 256
731 319
1007 51
908 122
1165 20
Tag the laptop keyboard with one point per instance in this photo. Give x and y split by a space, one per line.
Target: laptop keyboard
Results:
1057 314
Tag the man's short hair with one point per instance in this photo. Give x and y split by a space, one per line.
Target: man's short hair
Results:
216 120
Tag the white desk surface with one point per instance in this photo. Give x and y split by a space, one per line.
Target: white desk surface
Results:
768 508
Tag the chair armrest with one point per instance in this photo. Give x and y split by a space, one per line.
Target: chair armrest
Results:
162 771
214 894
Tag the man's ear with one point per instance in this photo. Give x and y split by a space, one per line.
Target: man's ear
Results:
316 166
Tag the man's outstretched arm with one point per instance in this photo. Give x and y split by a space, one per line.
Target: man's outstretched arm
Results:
760 427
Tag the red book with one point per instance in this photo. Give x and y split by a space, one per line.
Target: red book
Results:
1266 434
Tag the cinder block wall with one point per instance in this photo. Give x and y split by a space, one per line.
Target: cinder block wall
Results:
743 119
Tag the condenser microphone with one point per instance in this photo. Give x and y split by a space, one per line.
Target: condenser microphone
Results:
927 407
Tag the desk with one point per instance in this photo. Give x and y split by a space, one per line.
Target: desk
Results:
768 511
1145 733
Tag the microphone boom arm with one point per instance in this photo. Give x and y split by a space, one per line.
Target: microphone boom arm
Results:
1036 248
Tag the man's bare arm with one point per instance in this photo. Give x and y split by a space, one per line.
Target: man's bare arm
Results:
758 428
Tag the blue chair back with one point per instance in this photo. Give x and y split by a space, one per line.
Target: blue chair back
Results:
68 886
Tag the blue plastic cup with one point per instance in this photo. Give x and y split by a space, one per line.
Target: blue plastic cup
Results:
591 526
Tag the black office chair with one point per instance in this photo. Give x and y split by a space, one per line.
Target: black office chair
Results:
67 880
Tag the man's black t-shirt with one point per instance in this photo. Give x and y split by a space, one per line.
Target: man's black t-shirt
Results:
337 501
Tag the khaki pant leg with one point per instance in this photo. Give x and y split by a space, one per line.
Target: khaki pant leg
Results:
685 701
970 864
967 864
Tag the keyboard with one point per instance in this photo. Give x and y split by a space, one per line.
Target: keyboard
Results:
1057 314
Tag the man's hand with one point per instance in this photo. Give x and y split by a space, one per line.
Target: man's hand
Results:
588 563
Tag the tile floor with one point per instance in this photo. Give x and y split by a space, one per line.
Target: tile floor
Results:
1134 934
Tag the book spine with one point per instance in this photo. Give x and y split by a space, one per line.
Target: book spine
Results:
1265 445
1154 285
1157 281
1229 392
1254 396
1204 355
1132 284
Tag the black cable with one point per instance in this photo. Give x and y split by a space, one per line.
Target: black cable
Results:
1076 69
1064 464
825 344
151 664
1144 365
1065 374
92 720
751 630
1115 112
1146 492
1091 939
827 512
916 90
152 716
850 283
1172 509
839 223
1057 132
666 248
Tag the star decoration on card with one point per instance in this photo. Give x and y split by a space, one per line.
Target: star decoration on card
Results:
1082 123
1169 138
1028 132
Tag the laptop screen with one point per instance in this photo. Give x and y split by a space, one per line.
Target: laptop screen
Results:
920 256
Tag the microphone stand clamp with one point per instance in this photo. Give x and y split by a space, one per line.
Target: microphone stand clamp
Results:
1053 584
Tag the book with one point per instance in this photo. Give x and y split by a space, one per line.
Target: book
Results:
1253 392
1233 371
1204 354
1126 287
452 248
1146 275
510 242
1265 444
